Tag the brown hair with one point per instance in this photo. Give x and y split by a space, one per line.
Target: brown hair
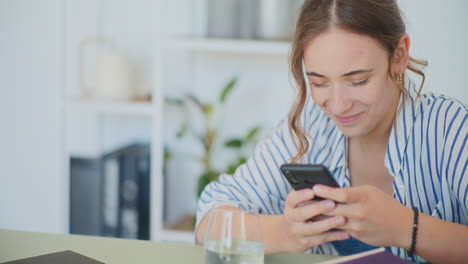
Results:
378 19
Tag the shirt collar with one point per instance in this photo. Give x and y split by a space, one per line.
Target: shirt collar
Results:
402 129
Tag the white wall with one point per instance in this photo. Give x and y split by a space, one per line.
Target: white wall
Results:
30 74
439 34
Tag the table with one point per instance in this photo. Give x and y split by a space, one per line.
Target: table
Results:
22 244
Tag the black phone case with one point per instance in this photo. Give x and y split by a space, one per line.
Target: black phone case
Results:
302 176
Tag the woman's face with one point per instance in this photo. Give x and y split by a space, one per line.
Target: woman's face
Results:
349 81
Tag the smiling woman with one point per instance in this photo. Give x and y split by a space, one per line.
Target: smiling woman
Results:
399 155
382 31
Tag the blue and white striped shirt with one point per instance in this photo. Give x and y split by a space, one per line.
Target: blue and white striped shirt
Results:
427 155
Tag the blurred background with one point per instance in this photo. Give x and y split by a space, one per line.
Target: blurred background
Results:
114 114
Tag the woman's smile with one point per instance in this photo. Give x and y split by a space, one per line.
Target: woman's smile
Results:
349 119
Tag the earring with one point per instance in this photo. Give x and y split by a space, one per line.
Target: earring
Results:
400 78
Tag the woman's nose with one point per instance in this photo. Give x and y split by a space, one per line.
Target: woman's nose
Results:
339 102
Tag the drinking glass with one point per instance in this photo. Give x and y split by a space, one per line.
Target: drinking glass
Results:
234 236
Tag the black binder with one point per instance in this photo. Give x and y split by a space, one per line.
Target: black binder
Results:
110 195
85 195
126 192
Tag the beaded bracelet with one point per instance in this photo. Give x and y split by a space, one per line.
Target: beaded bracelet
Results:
415 230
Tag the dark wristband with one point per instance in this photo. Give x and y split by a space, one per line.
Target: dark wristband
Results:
415 231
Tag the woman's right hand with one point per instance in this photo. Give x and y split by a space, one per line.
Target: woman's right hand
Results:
302 225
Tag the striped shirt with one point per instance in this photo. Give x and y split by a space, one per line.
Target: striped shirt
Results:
427 155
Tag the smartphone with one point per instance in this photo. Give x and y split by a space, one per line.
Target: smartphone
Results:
301 176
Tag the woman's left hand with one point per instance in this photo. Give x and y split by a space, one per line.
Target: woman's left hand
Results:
373 216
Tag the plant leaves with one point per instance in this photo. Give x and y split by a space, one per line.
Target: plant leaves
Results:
167 155
241 160
231 169
234 143
183 130
196 101
205 179
176 101
227 90
208 109
233 166
252 133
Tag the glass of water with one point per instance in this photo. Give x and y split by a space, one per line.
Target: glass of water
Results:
233 235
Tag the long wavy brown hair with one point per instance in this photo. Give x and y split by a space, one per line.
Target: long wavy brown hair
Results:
379 19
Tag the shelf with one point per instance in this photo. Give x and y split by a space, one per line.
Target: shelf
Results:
280 48
144 108
177 236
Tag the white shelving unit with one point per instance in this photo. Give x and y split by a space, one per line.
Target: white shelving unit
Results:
205 64
239 46
88 121
143 108
209 46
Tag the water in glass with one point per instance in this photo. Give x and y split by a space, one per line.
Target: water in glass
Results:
233 235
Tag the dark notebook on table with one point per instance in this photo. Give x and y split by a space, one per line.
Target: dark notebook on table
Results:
62 257
379 255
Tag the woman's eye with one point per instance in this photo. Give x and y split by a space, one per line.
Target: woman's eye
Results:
318 85
360 83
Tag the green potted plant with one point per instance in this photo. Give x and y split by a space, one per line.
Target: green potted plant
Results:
208 135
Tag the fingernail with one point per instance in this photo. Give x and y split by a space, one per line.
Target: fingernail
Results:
344 236
339 220
329 204
317 188
308 193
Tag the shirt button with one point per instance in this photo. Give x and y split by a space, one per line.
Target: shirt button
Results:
401 187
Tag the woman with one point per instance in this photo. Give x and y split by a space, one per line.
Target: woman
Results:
400 156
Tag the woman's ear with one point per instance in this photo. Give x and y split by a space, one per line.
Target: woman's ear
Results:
401 55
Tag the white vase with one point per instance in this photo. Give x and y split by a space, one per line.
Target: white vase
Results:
113 74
